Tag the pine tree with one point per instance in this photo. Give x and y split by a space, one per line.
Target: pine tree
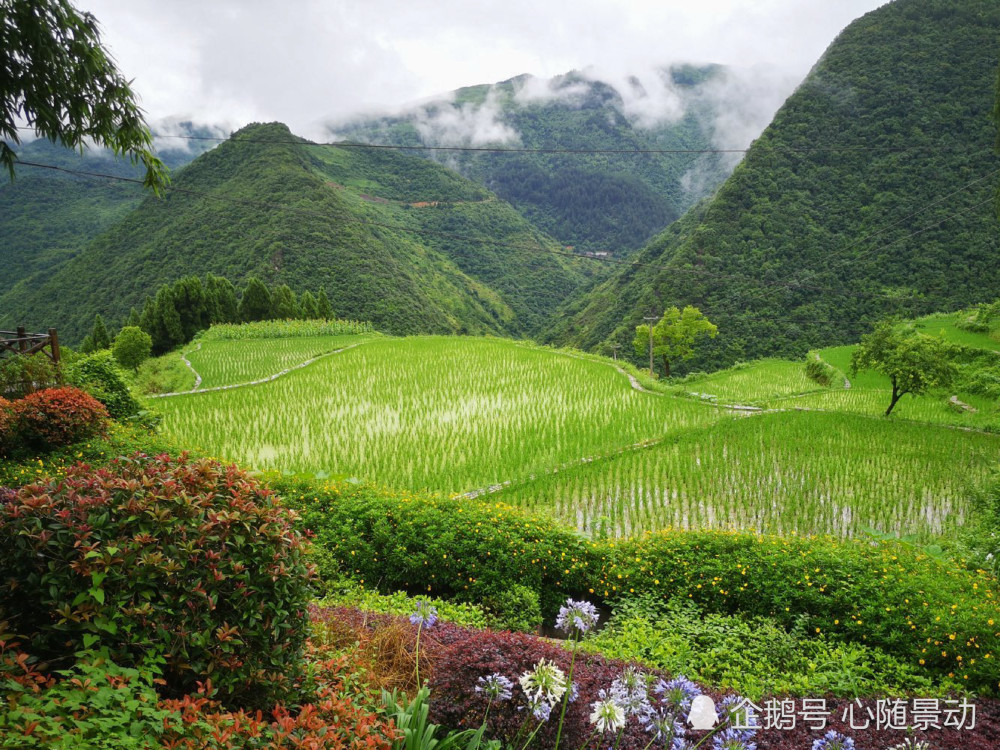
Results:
221 294
283 304
256 301
323 308
307 306
99 334
133 318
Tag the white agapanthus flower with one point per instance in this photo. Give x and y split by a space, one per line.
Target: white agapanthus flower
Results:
546 683
607 715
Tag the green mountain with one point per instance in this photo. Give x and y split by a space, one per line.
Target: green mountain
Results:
591 202
47 216
268 204
869 194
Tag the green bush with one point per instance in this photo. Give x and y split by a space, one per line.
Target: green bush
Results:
21 375
449 547
6 425
820 371
398 603
185 555
513 607
934 615
753 656
94 705
99 375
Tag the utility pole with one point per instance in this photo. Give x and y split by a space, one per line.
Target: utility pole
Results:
614 350
651 321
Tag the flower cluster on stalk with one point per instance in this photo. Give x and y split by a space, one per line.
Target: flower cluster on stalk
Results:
544 687
425 616
496 687
577 617
833 740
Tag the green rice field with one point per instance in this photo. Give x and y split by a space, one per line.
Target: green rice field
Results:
568 435
448 414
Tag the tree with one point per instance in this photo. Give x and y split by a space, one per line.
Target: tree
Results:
60 81
132 347
284 306
307 306
99 336
256 301
674 335
914 363
222 300
323 308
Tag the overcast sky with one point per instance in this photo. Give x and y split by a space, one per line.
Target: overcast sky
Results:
308 61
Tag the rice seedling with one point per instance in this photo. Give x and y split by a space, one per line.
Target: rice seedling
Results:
791 472
753 382
449 414
229 361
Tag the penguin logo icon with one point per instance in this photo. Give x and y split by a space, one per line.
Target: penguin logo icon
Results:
702 714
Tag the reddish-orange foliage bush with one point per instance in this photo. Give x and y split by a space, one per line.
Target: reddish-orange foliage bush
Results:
189 556
6 424
56 417
329 721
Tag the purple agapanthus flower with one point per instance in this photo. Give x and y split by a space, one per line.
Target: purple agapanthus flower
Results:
496 687
732 739
741 714
833 740
630 691
574 693
577 617
425 616
542 710
678 692
662 722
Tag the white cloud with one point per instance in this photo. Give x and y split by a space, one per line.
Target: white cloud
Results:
307 61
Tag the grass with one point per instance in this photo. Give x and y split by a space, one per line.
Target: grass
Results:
449 414
754 383
793 472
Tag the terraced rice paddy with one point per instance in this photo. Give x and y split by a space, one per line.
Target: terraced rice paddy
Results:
226 362
568 435
449 414
789 472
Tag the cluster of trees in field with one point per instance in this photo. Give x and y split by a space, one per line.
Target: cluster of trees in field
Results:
176 312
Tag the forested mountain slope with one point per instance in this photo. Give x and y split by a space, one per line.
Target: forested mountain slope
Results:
610 202
869 194
271 205
47 216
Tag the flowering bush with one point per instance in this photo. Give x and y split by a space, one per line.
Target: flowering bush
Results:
186 555
56 417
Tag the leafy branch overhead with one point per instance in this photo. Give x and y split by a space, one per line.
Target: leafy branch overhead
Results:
59 80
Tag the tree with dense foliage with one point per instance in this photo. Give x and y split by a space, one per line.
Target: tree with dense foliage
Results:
222 299
284 306
307 306
256 301
132 347
674 335
914 363
324 309
98 339
61 82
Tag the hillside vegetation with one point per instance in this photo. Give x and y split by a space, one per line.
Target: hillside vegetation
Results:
870 193
599 202
270 205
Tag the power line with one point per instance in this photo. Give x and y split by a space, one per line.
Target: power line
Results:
557 150
495 243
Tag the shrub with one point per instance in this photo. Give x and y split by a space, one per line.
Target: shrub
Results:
450 547
100 376
20 375
515 607
187 555
57 417
6 425
820 371
753 655
132 347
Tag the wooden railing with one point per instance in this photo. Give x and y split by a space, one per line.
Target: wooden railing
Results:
21 343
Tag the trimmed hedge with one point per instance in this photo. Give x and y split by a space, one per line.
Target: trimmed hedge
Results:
931 613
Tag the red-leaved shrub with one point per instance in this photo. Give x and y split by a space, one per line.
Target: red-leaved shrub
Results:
56 417
6 425
190 557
